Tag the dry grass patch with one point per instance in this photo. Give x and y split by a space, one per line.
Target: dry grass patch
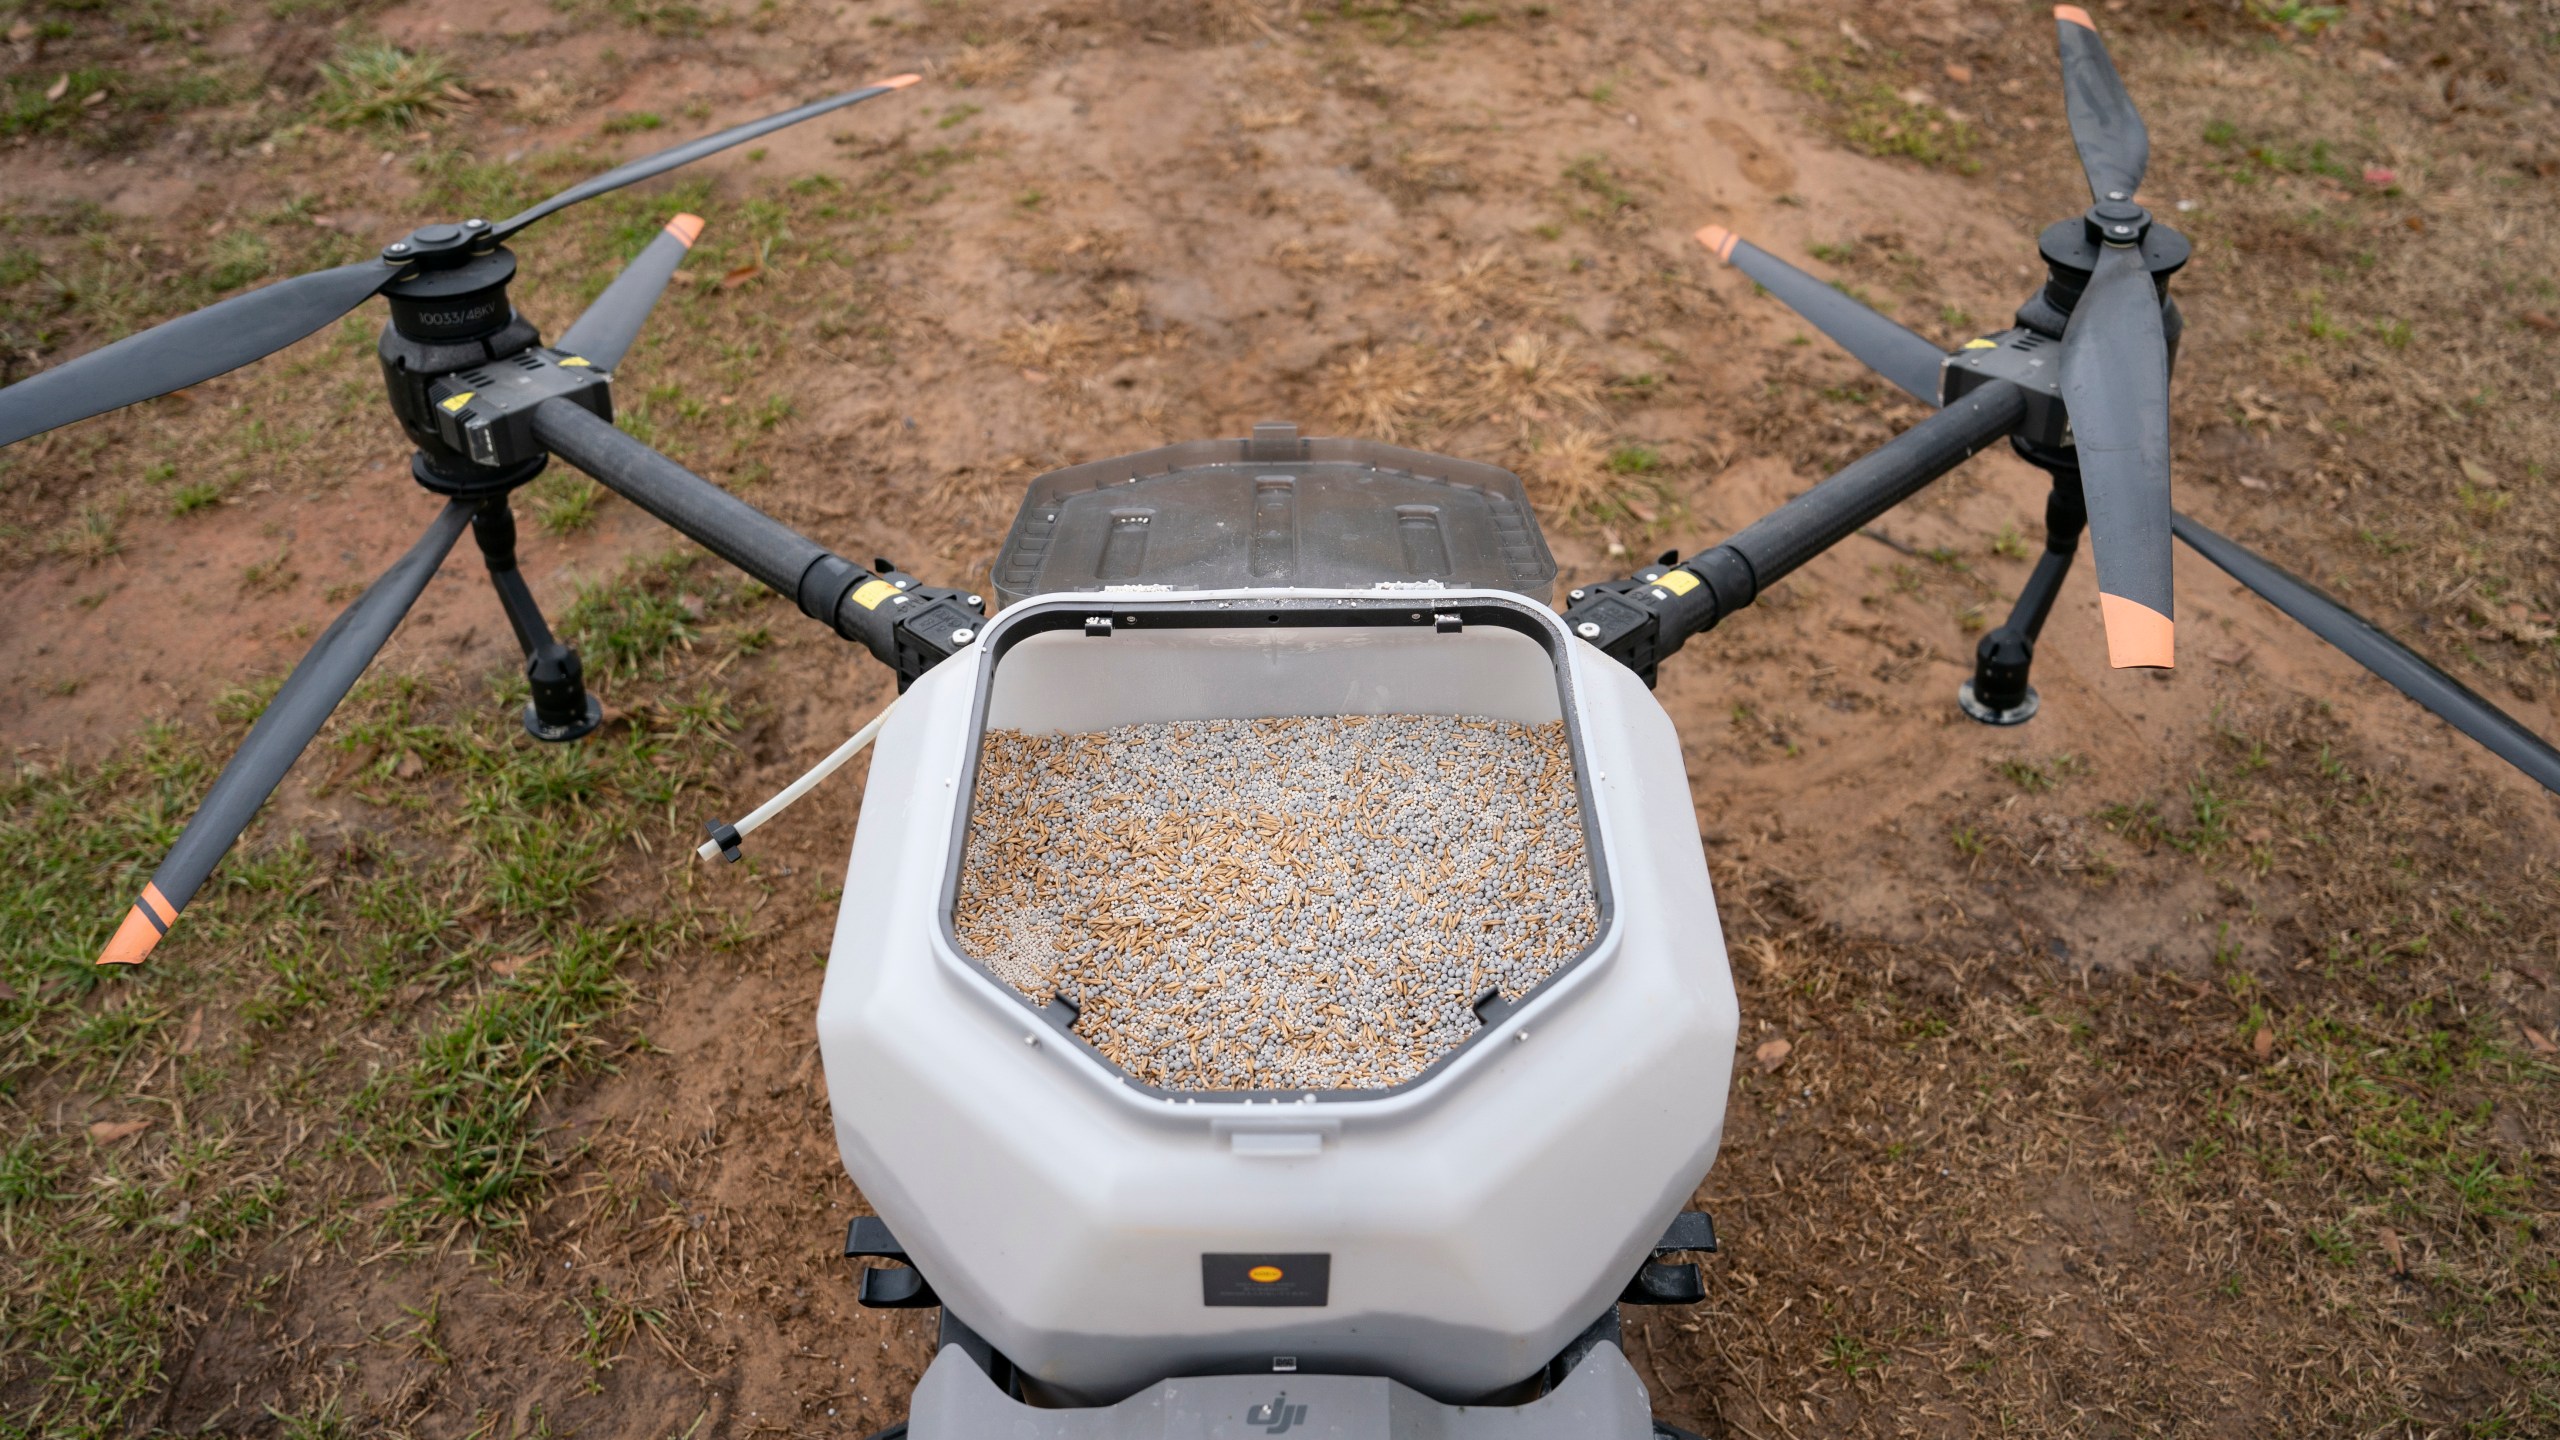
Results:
1393 395
1535 378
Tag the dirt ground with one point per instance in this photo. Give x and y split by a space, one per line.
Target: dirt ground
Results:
2179 1063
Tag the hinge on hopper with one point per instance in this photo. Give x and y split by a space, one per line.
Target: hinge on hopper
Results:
1660 1283
886 1287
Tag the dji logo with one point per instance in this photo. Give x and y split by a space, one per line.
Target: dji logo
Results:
1276 1417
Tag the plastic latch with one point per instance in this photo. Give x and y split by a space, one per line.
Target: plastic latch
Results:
1098 626
1447 624
726 836
1276 1144
1276 1138
1275 440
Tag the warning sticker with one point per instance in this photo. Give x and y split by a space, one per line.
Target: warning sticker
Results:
1678 582
1265 1279
870 593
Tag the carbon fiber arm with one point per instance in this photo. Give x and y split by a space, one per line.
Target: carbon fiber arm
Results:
1642 621
907 626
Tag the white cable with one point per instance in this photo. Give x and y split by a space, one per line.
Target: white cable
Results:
710 849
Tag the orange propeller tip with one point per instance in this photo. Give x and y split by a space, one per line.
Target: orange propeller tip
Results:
1718 239
2137 635
133 940
687 228
2075 15
899 82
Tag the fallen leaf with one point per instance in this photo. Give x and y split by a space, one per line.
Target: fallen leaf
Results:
189 1038
2541 1043
1772 1054
58 89
108 1132
2539 321
2263 1044
2380 175
21 33
2417 223
2259 836
2478 474
1959 72
2252 482
1036 377
2232 656
740 276
408 767
2391 1247
94 97
682 277
507 967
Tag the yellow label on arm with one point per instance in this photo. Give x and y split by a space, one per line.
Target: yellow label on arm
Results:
870 593
454 405
1678 582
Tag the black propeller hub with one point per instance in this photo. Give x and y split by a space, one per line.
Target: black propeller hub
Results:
435 244
2116 222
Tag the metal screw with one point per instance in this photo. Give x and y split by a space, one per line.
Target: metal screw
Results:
2115 194
1587 630
977 600
475 224
399 247
963 635
1576 594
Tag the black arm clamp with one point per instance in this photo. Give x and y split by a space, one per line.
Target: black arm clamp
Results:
1643 621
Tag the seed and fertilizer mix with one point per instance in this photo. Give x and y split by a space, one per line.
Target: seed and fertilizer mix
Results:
1302 903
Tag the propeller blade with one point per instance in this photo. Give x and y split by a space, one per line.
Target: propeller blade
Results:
2115 384
692 150
2114 145
2376 651
1891 351
314 689
603 335
215 340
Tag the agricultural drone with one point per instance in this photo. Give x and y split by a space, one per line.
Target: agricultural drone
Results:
1445 1256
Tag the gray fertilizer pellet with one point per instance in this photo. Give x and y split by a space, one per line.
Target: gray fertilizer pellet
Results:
1305 903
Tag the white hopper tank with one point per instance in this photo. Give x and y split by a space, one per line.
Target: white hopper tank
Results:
1453 1233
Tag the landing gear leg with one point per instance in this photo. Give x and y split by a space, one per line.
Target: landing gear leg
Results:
1998 693
561 709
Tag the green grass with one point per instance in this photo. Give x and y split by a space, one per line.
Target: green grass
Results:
46 101
1871 114
564 501
455 928
1603 188
1634 460
377 84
